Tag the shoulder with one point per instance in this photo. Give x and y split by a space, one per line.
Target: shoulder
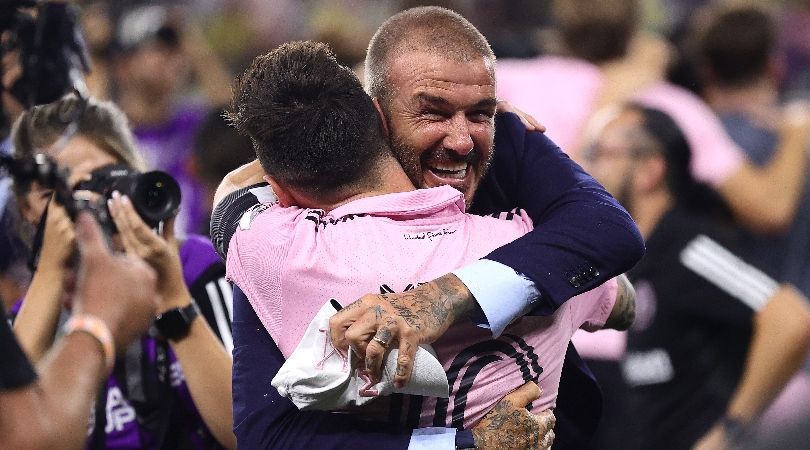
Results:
510 133
230 210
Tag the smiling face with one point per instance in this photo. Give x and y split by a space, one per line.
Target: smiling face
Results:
440 116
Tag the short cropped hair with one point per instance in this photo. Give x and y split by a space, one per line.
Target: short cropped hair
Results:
100 122
430 29
737 43
596 30
312 125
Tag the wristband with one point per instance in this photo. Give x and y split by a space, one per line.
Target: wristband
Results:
99 330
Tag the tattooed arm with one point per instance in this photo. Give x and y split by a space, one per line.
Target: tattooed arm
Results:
376 322
624 310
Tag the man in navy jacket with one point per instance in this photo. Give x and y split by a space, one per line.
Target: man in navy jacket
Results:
584 237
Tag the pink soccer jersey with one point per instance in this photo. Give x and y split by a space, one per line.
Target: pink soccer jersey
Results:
290 261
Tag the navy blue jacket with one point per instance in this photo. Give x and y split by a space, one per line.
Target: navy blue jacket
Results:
583 238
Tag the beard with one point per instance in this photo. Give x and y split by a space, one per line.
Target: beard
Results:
411 161
406 155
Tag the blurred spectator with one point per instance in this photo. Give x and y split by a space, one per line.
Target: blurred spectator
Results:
172 390
715 339
218 149
794 41
741 69
158 53
99 30
610 62
741 72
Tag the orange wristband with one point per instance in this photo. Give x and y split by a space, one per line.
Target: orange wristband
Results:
96 328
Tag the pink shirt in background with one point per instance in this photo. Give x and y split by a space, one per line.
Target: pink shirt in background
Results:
562 92
290 261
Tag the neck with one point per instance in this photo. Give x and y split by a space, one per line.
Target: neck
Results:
392 180
647 212
751 97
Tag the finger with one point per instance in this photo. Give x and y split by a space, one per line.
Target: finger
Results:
365 322
140 230
546 419
525 394
337 332
407 354
168 230
90 238
534 124
360 333
375 354
547 441
122 224
340 322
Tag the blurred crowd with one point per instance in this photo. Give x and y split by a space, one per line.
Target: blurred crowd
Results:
169 66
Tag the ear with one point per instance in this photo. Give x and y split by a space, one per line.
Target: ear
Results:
382 116
285 197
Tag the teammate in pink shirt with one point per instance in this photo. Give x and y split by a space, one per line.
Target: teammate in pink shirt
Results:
608 61
349 221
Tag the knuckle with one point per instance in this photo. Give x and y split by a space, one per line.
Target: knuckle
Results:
352 334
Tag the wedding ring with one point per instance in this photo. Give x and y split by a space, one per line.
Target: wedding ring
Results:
380 341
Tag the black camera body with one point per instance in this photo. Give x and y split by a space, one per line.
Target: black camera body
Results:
155 195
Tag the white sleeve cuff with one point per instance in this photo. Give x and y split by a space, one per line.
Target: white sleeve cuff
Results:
433 438
502 293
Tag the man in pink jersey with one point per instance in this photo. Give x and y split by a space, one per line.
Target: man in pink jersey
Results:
366 228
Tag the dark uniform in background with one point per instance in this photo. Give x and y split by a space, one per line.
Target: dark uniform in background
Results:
686 351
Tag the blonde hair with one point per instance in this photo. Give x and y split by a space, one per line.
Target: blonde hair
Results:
100 122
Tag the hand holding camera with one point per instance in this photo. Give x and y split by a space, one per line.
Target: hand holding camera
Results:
102 273
159 250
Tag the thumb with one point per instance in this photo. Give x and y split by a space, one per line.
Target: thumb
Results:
89 236
525 394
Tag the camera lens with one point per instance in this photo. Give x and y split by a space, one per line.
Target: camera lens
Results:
156 196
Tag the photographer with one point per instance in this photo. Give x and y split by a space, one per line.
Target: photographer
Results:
51 411
158 393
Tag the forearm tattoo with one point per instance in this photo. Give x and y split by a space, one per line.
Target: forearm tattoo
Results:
433 305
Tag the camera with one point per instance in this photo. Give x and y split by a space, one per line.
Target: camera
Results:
155 195
51 47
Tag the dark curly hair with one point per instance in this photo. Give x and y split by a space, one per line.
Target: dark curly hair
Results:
312 125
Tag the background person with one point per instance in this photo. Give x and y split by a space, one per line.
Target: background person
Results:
48 408
715 339
193 394
606 60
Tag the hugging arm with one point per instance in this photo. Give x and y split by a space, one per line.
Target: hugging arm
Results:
582 236
265 419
